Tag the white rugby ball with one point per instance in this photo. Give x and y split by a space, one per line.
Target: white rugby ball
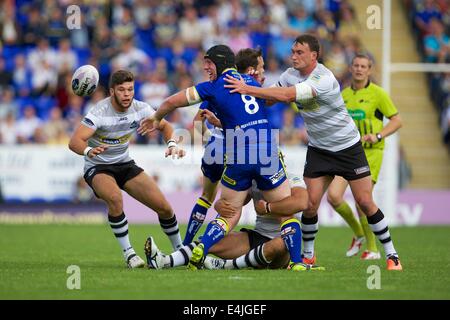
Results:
85 80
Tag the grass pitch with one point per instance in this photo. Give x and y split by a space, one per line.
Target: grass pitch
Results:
34 261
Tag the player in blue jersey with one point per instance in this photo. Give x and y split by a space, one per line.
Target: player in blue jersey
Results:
248 61
251 148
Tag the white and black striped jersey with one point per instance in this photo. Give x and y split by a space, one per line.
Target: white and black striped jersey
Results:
114 129
268 225
328 123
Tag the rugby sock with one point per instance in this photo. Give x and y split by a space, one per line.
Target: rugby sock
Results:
119 226
179 258
379 226
310 226
370 237
198 215
253 259
170 228
291 233
215 231
347 214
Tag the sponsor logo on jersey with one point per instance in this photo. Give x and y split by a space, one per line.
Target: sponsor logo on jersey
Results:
357 114
134 124
287 231
91 172
123 119
362 170
277 176
115 141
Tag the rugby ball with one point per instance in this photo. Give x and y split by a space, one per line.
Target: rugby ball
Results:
85 80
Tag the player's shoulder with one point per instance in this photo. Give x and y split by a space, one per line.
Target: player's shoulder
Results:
139 105
290 75
101 108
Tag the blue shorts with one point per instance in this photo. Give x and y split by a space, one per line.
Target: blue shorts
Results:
213 159
239 176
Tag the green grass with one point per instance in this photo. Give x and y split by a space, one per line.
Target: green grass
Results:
34 260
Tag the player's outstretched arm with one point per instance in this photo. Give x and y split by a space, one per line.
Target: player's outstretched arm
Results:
78 142
151 123
272 93
296 202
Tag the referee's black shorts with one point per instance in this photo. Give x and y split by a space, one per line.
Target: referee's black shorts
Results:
350 163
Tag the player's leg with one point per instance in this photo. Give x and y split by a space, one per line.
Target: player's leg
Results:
335 197
374 158
106 188
144 189
158 260
316 189
219 227
200 209
362 192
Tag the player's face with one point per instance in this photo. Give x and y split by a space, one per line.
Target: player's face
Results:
123 94
360 69
260 77
210 69
302 57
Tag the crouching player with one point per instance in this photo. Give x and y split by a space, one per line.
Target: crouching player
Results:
262 247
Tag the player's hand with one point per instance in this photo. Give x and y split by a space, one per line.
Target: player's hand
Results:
148 125
225 209
260 207
175 152
211 117
237 85
370 138
97 150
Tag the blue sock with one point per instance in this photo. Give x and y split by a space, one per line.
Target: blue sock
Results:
215 231
291 233
198 215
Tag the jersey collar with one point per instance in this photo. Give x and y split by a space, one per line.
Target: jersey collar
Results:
368 84
228 69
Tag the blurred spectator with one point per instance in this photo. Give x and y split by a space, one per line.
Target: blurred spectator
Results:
437 43
66 59
301 21
27 126
132 59
55 130
56 26
426 11
5 76
7 103
446 125
190 28
9 28
8 127
21 76
34 28
336 61
155 89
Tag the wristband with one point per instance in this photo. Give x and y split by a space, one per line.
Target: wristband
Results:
171 143
87 150
268 207
379 136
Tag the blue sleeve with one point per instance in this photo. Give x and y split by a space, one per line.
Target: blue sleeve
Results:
205 90
204 105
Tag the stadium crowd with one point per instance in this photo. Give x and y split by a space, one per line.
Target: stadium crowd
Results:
430 20
162 43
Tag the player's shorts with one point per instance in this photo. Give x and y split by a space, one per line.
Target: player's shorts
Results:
350 163
255 238
121 172
374 158
213 159
239 176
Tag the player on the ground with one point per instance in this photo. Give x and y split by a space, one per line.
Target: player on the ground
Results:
251 147
367 103
103 138
259 248
248 61
334 147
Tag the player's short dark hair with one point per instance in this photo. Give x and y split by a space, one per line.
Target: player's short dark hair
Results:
246 58
120 77
311 40
363 56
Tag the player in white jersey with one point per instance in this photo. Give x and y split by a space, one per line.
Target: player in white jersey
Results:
103 138
261 247
334 147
